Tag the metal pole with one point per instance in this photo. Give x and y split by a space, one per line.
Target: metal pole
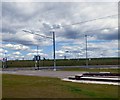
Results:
5 60
37 49
54 51
37 59
86 51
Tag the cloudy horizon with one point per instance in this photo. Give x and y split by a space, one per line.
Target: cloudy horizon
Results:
71 21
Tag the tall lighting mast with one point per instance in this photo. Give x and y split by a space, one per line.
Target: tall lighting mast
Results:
86 51
54 56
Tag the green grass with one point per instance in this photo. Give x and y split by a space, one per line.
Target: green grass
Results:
112 70
18 86
64 62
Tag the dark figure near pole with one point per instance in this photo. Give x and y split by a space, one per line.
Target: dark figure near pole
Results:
37 61
5 62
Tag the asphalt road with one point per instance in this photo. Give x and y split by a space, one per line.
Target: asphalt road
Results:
44 73
48 71
62 67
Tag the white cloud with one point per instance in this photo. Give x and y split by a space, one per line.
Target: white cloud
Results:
106 31
17 53
3 50
42 16
31 55
16 47
95 49
35 50
60 1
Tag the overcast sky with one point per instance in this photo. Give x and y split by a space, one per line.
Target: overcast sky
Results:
41 18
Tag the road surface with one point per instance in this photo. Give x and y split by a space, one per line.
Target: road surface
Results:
61 67
45 73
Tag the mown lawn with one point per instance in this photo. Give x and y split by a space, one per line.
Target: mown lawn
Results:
18 86
64 62
112 70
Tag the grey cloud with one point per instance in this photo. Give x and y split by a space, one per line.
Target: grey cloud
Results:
46 26
55 14
14 12
8 30
43 16
70 33
113 35
109 37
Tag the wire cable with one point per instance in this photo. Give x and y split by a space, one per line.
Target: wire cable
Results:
90 20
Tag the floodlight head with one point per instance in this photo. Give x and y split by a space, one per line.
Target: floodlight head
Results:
66 51
28 31
24 30
52 30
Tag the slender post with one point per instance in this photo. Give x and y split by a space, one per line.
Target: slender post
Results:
37 49
54 51
86 51
5 60
37 59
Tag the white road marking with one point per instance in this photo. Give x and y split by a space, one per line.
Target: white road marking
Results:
93 82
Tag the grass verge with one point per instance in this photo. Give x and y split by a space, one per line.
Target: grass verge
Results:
19 86
113 70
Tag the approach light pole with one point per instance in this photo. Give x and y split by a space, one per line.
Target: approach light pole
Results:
53 44
66 53
37 58
5 61
86 51
54 51
37 49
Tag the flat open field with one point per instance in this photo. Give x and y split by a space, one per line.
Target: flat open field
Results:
64 62
112 70
19 86
69 68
